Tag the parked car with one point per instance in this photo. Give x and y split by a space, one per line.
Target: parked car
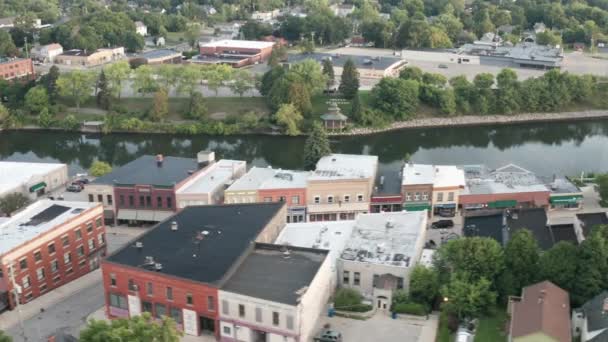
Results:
329 336
81 182
74 188
443 66
442 224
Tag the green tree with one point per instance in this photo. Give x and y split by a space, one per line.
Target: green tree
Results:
4 337
316 146
144 80
188 81
255 30
192 34
396 97
13 202
137 329
328 71
36 99
133 41
559 265
103 97
116 74
349 80
216 76
160 109
69 123
99 168
269 79
447 102
278 54
311 75
424 285
483 96
76 84
548 38
50 83
521 263
168 76
290 118
242 82
45 118
483 23
198 108
507 93
592 271
356 111
411 73
307 46
466 296
477 257
4 114
7 46
463 91
602 184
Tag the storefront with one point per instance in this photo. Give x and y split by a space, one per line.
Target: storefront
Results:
38 188
416 206
566 201
445 210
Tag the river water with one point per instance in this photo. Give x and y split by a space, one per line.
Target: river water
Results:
565 148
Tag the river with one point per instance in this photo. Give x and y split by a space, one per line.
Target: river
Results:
547 148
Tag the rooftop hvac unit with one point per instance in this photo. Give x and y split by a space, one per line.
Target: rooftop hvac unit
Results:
174 225
158 267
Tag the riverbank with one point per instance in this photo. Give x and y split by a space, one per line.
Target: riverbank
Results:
478 120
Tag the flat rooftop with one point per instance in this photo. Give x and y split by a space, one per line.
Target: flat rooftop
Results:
386 238
253 179
338 60
243 44
331 235
345 166
77 52
217 174
153 54
145 170
563 186
507 179
534 220
590 220
275 273
208 241
440 176
388 183
286 179
490 226
13 174
523 51
37 219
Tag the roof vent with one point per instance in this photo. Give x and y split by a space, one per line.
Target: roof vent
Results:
286 254
139 244
158 267
390 223
150 260
159 160
174 225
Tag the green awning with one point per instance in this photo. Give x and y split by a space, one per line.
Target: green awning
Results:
417 207
502 204
37 187
565 199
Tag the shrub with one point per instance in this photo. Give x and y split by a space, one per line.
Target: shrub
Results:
350 300
410 308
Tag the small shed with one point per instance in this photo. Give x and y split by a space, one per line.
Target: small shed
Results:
334 119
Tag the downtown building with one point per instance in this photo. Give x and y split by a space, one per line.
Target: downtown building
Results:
177 268
46 245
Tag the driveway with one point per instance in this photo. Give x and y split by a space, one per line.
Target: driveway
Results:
378 328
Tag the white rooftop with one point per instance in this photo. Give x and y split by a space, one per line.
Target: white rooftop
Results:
345 166
389 238
440 176
426 259
286 179
245 44
218 174
28 224
331 236
14 174
507 179
253 179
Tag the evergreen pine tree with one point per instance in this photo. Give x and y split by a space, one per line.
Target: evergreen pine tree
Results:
316 146
50 83
328 70
349 82
355 110
103 93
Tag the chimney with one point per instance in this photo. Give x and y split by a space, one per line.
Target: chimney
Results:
159 160
205 158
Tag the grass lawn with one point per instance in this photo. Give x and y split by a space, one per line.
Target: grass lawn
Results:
492 327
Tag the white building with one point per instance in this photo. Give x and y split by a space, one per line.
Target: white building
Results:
433 187
265 16
31 179
208 186
381 254
47 53
342 10
276 295
141 28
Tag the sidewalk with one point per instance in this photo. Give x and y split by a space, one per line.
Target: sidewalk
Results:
9 319
429 330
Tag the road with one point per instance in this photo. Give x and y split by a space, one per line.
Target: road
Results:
70 313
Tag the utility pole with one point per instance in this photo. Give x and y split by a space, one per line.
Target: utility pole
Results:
17 292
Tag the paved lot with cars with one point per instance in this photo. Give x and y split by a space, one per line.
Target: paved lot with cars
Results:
378 328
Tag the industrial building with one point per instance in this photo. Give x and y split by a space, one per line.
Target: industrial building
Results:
369 68
237 53
31 179
46 245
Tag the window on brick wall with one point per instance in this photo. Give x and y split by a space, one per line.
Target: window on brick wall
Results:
37 256
210 303
189 299
169 293
51 248
118 301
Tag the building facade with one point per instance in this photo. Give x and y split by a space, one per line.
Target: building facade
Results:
31 179
289 187
237 53
177 267
435 188
16 68
47 53
88 58
47 245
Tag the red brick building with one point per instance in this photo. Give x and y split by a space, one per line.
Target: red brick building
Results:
237 53
177 267
47 245
16 68
289 187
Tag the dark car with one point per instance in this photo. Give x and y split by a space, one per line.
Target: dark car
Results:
329 336
442 224
74 188
81 181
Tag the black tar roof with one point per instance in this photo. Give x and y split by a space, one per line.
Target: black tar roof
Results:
564 232
535 220
208 241
267 273
485 226
594 313
389 185
590 220
361 62
144 170
159 54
